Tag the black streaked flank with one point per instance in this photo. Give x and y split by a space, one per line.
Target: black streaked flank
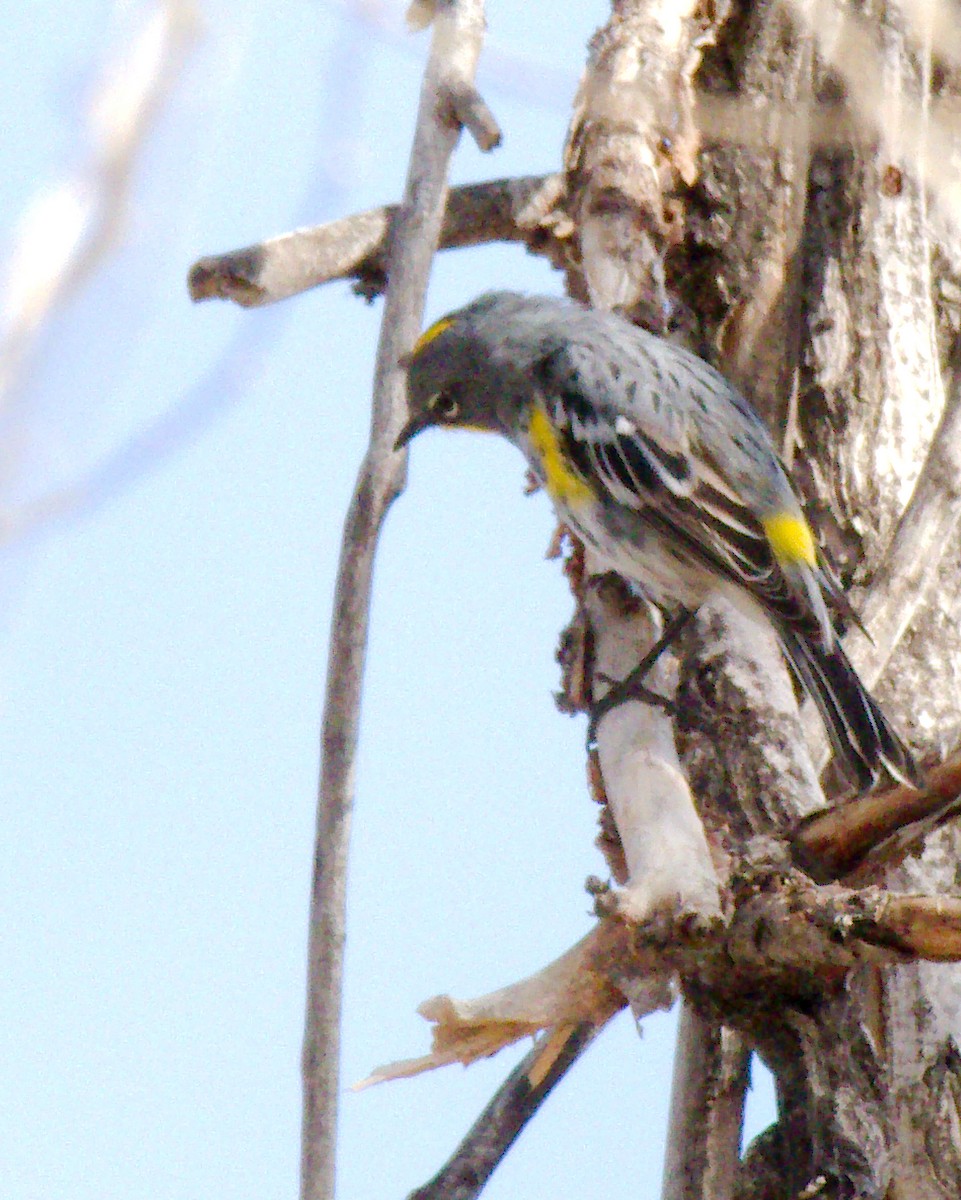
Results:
683 480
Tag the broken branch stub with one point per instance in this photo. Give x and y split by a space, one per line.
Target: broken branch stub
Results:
670 871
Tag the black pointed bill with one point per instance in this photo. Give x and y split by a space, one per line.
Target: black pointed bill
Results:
416 423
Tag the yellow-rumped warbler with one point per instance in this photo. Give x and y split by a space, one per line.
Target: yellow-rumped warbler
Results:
658 463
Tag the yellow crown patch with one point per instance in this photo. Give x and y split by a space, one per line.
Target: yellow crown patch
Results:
430 333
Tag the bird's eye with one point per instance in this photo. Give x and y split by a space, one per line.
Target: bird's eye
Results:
443 406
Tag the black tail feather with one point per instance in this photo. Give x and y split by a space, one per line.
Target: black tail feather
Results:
860 733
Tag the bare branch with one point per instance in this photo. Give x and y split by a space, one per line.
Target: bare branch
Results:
805 930
508 210
67 232
927 927
455 46
863 835
707 1109
783 930
160 439
831 929
532 80
357 247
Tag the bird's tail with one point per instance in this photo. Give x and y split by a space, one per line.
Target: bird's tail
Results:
860 733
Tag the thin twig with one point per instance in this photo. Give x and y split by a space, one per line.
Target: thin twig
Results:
523 77
68 231
223 384
169 432
455 46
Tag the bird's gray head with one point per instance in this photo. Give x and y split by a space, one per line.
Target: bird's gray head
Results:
460 373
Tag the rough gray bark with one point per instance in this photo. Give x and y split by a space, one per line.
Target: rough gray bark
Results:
823 280
816 277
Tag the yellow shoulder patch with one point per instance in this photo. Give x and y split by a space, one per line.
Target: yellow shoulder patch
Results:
563 484
791 539
431 332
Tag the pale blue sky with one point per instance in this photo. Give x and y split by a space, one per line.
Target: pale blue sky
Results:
162 655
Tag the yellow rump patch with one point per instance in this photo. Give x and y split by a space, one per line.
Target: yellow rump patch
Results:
564 485
791 539
431 332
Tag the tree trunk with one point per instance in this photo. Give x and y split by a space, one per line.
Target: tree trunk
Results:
805 256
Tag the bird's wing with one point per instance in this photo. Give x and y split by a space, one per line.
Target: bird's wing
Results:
635 450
